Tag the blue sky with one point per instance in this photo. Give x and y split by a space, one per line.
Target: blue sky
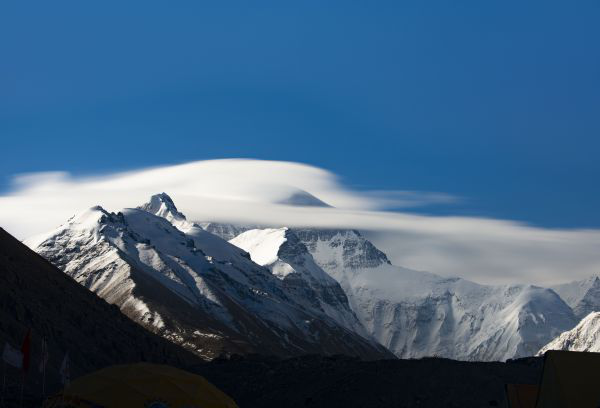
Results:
495 102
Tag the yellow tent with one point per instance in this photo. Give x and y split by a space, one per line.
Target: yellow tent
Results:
141 385
570 379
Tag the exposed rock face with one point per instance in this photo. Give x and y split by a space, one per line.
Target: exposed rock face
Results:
191 286
344 249
583 337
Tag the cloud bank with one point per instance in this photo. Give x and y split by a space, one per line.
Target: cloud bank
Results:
265 192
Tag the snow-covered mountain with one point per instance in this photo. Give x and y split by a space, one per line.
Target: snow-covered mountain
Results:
417 314
289 260
294 291
583 337
583 296
191 286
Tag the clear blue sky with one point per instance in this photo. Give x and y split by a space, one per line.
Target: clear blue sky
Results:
497 102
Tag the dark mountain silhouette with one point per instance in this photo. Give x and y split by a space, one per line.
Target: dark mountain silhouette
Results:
36 295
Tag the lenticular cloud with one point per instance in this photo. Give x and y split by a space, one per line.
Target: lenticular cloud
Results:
291 194
221 190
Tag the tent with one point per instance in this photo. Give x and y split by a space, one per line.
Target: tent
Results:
141 385
570 379
521 395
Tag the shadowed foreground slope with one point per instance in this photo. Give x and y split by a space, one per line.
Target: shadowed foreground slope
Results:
35 295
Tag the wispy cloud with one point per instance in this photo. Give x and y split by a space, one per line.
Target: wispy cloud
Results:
249 191
396 199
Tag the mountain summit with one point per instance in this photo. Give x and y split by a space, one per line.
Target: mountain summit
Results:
163 206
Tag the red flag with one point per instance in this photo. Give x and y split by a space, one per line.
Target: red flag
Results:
25 349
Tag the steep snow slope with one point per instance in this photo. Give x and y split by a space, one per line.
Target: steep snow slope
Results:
583 296
194 289
418 314
583 337
282 252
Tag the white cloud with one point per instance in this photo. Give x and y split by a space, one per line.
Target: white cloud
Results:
248 191
408 199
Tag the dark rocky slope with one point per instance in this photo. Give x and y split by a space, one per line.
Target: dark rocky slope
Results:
34 294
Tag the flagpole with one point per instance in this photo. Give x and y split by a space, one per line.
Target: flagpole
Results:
43 382
43 361
3 381
22 386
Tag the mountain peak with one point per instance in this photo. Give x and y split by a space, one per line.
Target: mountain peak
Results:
163 206
302 198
